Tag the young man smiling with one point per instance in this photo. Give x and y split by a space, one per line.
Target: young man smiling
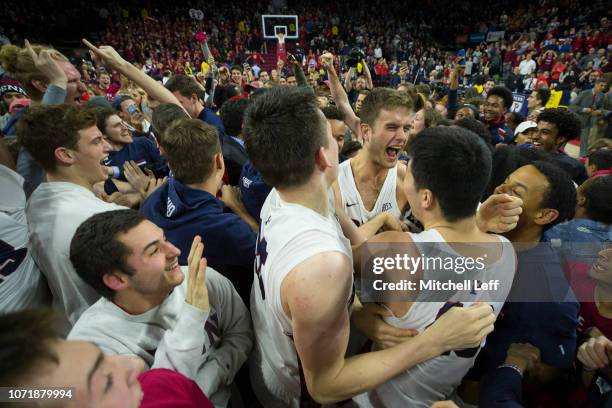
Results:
66 143
556 127
499 100
197 326
126 147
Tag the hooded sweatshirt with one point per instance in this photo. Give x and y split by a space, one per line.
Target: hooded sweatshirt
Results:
229 243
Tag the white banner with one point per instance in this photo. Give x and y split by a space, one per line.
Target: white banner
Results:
493 36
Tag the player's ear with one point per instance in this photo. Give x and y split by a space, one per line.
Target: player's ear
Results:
219 162
366 132
321 160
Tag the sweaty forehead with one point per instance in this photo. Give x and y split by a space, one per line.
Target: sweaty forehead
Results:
399 115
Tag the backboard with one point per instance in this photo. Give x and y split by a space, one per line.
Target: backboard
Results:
273 24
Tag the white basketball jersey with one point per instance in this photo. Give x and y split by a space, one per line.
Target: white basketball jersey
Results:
289 234
436 379
22 286
352 202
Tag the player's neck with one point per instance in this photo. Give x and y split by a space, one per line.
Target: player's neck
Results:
313 195
456 231
135 303
364 168
210 185
69 177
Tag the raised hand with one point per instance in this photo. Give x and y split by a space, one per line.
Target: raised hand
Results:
197 292
106 55
499 213
153 185
48 66
136 177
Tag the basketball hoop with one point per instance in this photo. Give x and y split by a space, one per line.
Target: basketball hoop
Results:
273 25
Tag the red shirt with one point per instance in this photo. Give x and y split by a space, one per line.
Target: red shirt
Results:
589 317
111 91
163 388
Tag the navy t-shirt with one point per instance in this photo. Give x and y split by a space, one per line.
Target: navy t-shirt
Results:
142 151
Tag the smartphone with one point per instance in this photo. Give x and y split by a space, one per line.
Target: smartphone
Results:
132 110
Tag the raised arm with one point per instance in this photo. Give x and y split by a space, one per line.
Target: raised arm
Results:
452 103
367 75
109 57
340 96
348 80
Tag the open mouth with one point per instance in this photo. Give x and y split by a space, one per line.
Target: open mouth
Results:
173 266
537 145
392 153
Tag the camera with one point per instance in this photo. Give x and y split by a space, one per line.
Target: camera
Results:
355 56
439 87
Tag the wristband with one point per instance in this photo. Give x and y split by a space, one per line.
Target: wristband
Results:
514 367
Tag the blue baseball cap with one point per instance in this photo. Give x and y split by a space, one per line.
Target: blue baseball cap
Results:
118 99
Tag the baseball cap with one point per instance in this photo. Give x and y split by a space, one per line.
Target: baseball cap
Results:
118 99
99 102
523 126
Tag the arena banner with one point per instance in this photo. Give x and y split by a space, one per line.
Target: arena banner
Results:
477 37
493 36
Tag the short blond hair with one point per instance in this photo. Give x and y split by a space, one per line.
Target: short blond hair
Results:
18 62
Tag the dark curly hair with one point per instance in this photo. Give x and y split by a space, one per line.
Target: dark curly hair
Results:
503 93
598 194
567 123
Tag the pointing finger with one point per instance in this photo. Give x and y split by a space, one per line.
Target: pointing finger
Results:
31 51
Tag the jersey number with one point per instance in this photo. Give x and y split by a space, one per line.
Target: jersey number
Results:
261 254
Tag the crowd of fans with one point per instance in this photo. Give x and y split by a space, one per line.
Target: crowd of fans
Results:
186 207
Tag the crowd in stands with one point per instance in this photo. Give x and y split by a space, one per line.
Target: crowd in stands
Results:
186 207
